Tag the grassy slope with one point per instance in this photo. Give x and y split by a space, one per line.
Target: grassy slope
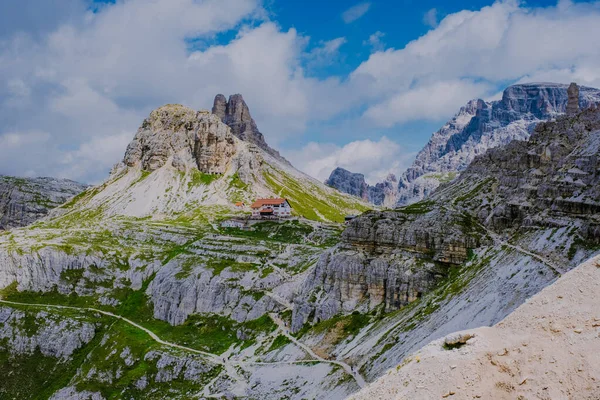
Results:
36 376
310 200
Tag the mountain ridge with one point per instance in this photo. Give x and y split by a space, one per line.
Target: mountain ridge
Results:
480 125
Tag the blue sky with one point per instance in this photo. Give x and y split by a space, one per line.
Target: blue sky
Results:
357 84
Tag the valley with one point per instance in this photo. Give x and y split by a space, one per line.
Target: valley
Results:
134 288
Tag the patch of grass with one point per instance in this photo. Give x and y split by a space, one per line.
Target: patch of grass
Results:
218 265
422 207
580 243
199 178
347 325
473 192
279 342
309 200
284 232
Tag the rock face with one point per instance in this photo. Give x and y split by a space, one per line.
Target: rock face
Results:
481 125
25 200
183 137
56 337
355 184
386 258
549 182
236 114
556 329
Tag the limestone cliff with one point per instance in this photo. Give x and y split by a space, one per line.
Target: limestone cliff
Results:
236 114
183 137
25 200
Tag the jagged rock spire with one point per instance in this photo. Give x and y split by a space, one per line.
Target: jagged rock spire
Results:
236 113
220 106
573 101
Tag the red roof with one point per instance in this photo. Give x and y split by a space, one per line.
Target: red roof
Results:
266 210
239 204
267 202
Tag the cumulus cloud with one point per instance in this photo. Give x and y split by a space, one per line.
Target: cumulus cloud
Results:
75 87
374 159
355 12
429 102
431 18
375 41
325 53
505 42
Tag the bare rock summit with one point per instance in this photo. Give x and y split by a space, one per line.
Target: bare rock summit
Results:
184 137
236 114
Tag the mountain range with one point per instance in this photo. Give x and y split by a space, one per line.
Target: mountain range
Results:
134 289
477 127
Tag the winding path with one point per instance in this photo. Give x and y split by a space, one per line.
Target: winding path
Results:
284 330
228 364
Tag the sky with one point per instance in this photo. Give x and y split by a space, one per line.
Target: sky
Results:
356 84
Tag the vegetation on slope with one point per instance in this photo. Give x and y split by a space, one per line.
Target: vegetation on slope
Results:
310 201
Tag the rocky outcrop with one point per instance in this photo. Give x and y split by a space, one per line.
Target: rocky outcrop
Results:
236 114
185 138
355 184
52 336
348 182
388 258
573 102
25 200
550 180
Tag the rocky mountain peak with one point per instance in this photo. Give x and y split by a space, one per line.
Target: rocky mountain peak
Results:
220 106
236 114
184 137
481 125
349 182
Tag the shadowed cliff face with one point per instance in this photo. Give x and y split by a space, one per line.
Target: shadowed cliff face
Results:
550 182
236 114
25 200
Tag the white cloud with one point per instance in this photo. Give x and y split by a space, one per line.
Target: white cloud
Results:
374 159
375 41
430 102
86 80
431 18
355 12
325 53
497 44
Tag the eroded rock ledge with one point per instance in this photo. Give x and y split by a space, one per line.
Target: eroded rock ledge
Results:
184 137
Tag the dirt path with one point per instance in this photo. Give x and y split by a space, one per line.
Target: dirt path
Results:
223 359
285 331
498 240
